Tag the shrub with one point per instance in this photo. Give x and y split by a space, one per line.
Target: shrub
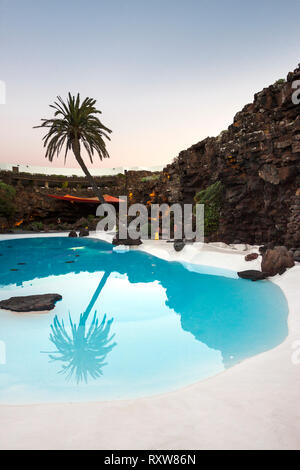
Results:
280 81
150 178
211 197
7 200
65 185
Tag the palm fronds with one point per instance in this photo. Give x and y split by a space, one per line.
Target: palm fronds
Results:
75 121
82 352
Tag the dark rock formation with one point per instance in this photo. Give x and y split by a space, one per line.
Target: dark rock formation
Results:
262 249
126 242
257 159
251 256
277 260
179 245
73 234
253 275
31 303
84 232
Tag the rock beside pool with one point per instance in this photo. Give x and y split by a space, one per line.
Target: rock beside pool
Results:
253 275
73 234
262 249
31 303
296 254
127 242
251 256
84 232
276 260
179 245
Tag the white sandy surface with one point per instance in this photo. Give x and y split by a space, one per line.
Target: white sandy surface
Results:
254 405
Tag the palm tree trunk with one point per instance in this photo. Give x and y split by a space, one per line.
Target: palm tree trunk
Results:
76 151
94 298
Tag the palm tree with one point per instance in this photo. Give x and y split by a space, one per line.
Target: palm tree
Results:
83 351
75 123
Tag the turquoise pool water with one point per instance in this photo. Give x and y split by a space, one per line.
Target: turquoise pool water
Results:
129 324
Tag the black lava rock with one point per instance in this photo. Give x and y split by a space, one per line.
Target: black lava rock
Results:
264 248
179 245
253 275
31 303
84 232
127 242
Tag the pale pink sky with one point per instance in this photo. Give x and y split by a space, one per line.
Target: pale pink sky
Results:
165 74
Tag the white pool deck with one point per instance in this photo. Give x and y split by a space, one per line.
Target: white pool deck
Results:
254 405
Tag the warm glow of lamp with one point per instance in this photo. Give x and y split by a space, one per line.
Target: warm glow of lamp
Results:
17 224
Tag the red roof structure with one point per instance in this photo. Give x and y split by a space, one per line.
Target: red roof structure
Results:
86 200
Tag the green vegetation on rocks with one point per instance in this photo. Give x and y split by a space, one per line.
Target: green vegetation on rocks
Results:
7 200
150 178
211 197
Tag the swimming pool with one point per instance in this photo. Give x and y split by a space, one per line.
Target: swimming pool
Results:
129 324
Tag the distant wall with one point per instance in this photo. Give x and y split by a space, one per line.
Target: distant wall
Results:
73 171
32 204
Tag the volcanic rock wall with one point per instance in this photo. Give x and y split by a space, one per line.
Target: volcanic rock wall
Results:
258 161
33 204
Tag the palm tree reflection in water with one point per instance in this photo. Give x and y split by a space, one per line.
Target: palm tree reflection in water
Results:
83 350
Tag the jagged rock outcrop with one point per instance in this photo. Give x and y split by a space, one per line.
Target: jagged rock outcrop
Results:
277 260
258 162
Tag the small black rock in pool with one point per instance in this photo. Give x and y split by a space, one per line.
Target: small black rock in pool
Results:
252 275
31 303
